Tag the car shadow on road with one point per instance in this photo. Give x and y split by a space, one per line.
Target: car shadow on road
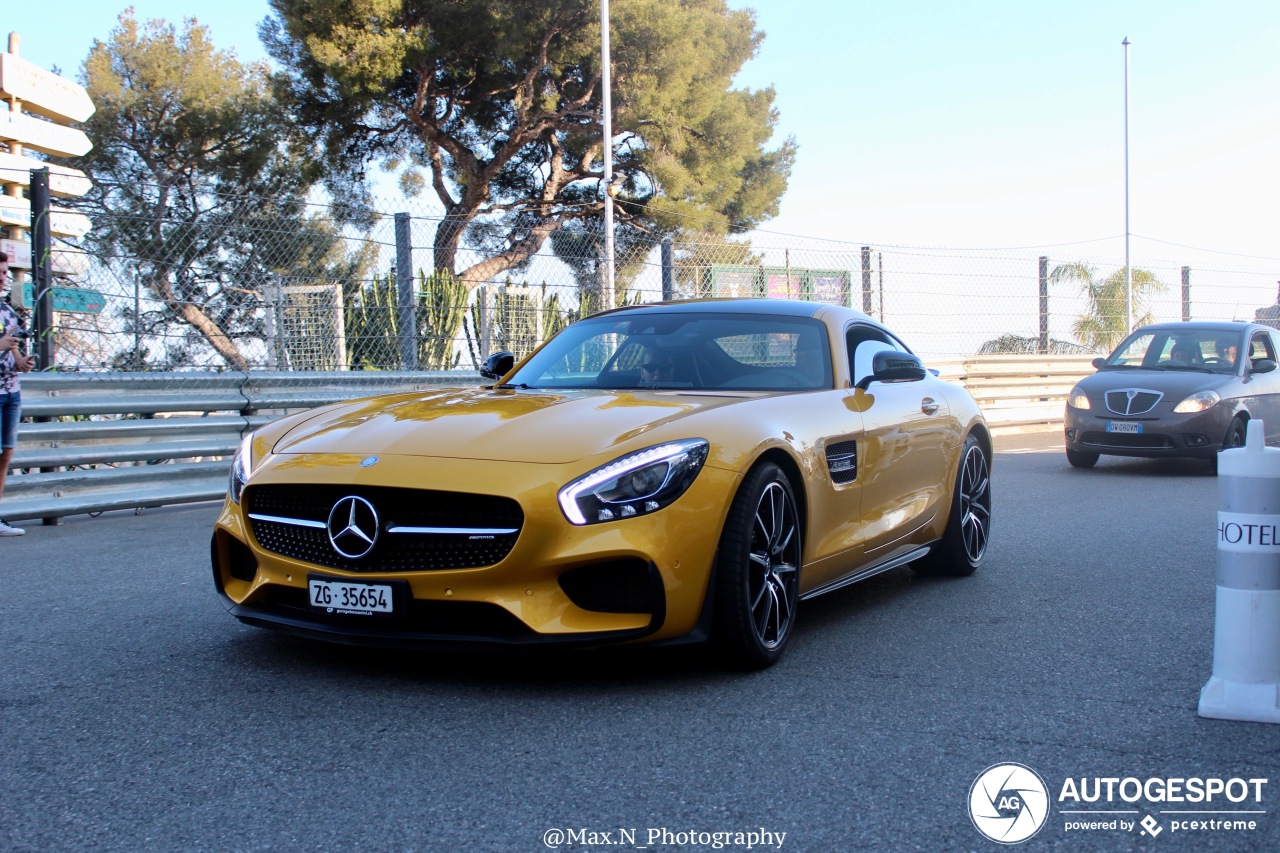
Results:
1128 466
502 666
622 666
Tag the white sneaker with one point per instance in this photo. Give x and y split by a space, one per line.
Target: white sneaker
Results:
8 530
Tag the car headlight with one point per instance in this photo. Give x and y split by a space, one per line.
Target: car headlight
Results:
1077 399
1198 402
241 468
636 484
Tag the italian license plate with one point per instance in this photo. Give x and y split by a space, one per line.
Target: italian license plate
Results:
1131 427
349 599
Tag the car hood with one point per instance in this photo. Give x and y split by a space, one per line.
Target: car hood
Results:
1176 385
498 425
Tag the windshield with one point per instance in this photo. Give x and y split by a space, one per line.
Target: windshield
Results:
684 350
1196 350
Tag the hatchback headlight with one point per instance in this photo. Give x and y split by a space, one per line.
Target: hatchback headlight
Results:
1077 399
241 468
636 484
1200 401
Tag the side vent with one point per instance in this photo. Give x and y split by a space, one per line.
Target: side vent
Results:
842 461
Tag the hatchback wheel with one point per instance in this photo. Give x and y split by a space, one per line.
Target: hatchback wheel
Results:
1235 438
1080 459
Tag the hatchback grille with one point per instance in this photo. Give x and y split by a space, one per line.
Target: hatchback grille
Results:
1132 401
290 520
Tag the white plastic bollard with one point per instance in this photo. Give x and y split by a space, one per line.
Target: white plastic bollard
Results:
1245 684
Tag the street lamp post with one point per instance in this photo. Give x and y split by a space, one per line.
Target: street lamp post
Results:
1128 268
606 83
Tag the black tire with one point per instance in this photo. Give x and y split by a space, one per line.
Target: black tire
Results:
964 543
757 570
1234 438
1235 434
1080 459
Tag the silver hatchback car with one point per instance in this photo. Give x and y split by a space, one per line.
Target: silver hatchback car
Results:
1176 389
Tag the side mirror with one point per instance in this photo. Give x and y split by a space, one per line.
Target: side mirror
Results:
1262 365
1098 362
892 366
498 365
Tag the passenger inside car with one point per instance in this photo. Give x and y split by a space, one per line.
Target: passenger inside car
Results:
1185 353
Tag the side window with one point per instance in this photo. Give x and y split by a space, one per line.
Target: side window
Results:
863 343
1260 347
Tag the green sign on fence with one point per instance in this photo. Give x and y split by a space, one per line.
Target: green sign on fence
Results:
73 300
834 287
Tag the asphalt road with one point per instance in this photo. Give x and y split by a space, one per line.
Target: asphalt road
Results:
136 715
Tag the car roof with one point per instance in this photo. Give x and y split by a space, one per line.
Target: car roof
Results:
1205 325
775 307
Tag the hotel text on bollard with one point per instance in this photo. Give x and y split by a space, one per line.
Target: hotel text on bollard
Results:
1245 684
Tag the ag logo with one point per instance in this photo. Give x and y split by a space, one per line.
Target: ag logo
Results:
1008 803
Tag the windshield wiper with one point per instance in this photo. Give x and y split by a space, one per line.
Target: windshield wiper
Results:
518 385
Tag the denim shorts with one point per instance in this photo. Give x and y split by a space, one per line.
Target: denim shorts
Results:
10 412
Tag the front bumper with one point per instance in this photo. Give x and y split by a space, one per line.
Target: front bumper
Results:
1164 435
643 578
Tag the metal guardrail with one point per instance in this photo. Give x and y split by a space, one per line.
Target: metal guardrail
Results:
1019 392
127 440
130 440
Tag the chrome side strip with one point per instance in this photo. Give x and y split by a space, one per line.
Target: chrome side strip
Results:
867 573
296 522
455 531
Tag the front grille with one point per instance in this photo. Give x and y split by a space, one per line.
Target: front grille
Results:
1132 401
397 508
1128 440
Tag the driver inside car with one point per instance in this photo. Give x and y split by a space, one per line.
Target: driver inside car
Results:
657 366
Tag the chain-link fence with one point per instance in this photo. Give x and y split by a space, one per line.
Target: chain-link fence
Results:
247 292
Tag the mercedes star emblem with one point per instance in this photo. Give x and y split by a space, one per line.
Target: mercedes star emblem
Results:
353 527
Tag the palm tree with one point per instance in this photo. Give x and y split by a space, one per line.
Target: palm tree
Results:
1104 325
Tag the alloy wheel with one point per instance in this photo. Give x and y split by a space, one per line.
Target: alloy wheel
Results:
975 504
775 559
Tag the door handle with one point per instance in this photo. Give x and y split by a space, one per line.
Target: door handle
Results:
929 406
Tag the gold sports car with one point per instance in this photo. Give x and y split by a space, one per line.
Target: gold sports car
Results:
667 473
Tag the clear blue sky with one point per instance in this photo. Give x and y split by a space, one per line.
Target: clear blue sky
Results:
970 125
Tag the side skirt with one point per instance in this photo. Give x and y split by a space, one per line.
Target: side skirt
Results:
900 560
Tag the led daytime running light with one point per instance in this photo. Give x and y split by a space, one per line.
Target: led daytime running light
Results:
569 495
241 468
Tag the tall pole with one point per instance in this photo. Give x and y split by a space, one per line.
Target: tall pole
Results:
42 266
1128 268
606 84
406 299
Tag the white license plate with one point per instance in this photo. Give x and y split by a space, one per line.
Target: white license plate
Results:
1124 426
358 599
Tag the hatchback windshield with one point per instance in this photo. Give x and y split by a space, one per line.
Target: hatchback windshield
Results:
1203 350
684 350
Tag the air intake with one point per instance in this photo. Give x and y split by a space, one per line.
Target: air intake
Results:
842 461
